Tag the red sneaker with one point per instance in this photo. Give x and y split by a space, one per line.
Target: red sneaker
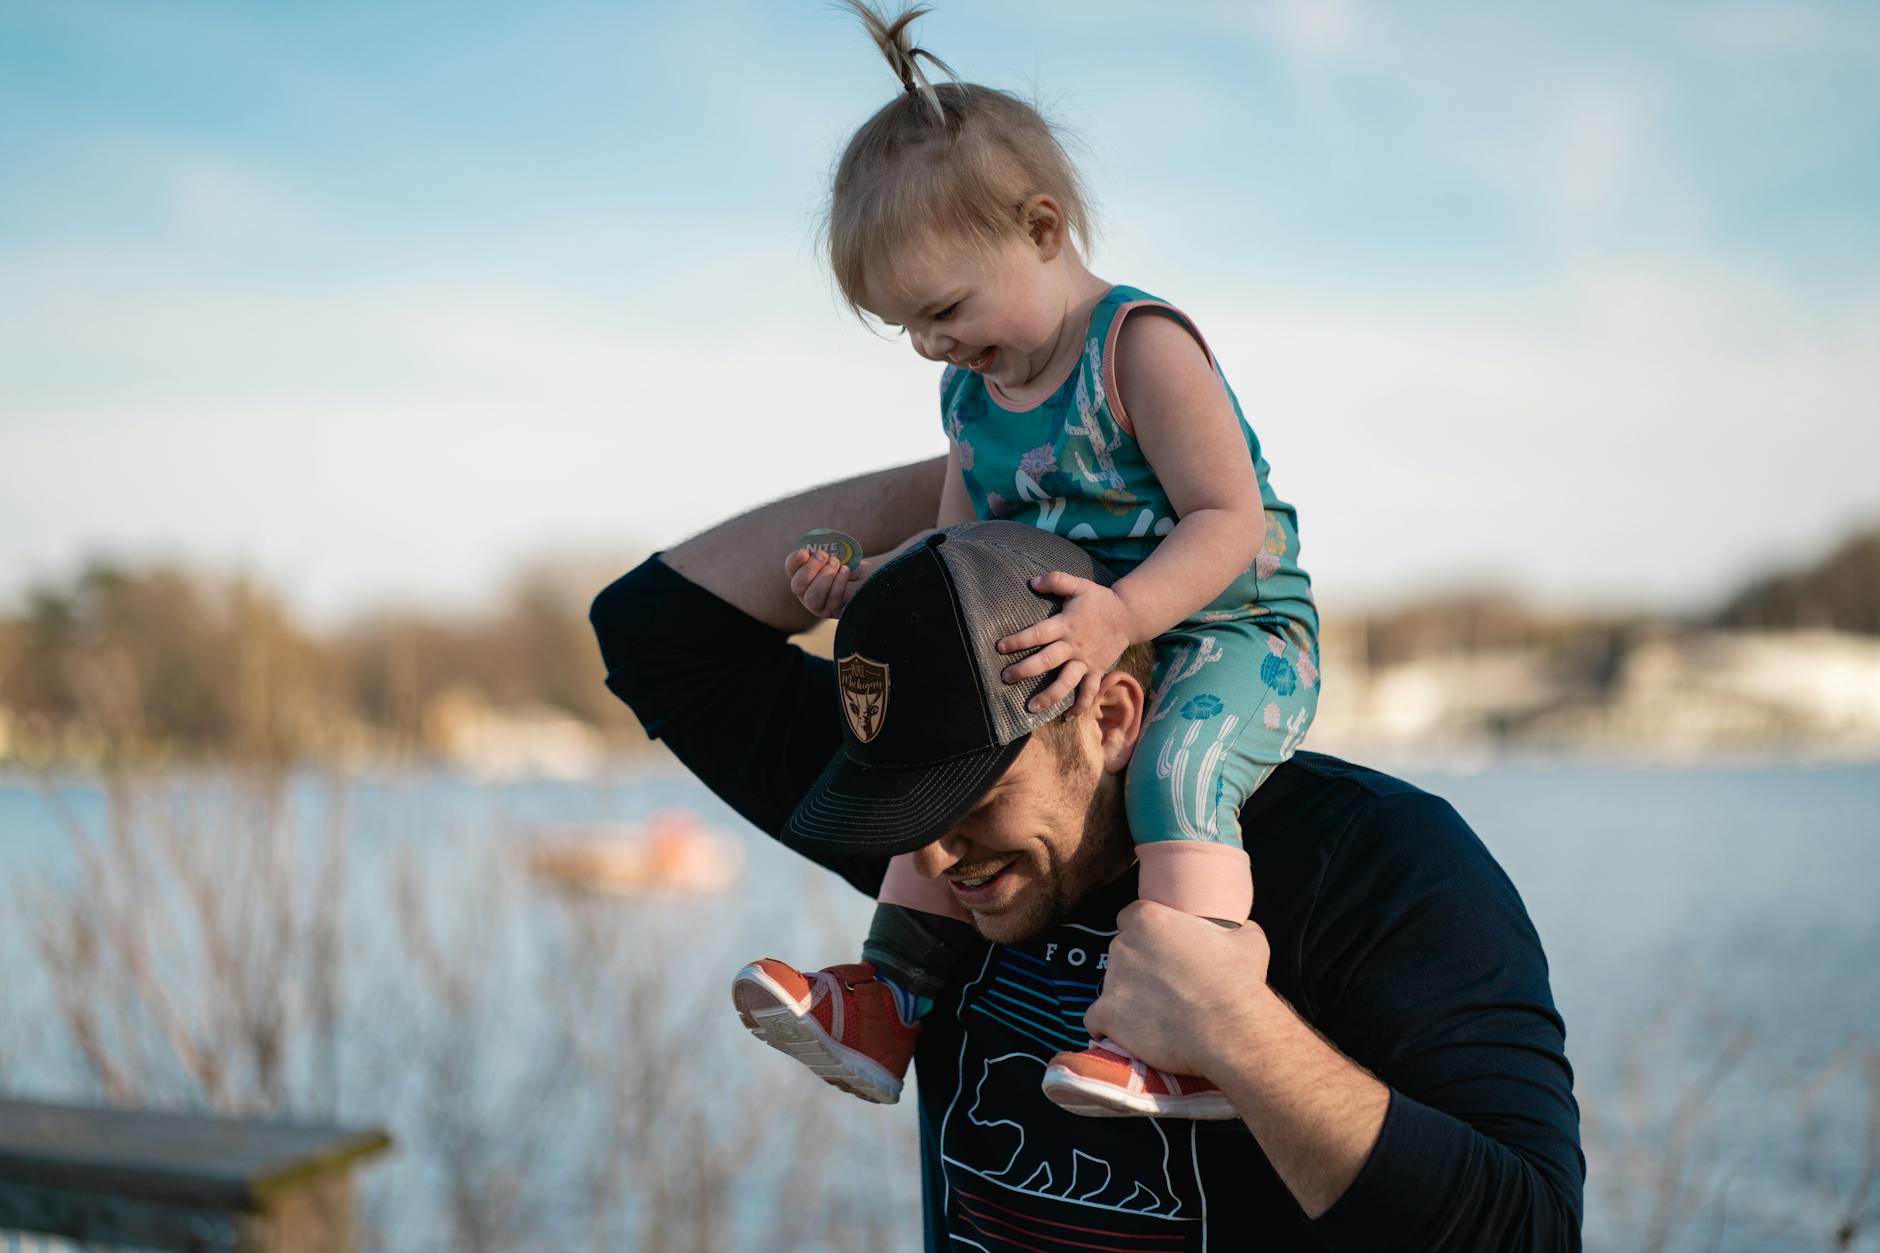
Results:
1103 1081
841 1022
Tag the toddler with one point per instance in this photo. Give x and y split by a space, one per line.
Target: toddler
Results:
1096 412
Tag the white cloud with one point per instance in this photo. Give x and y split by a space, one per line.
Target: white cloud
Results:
1765 27
1671 427
1623 411
1594 159
487 419
1315 27
1677 426
215 196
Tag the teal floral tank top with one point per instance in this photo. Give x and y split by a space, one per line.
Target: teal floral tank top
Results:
1069 464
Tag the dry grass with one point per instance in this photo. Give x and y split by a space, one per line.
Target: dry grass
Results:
227 947
1672 1165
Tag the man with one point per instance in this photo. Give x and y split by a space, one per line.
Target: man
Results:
1383 1026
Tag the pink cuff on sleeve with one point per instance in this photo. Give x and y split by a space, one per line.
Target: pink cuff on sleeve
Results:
1197 877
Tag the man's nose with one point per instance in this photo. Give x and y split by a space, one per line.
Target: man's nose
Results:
935 859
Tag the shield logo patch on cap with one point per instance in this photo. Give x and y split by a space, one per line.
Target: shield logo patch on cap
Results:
864 684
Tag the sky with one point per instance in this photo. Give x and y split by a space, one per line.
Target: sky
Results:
375 302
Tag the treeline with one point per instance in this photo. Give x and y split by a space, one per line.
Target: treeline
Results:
162 662
1840 592
1473 622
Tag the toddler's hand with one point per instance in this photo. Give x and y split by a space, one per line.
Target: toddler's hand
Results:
821 582
1085 638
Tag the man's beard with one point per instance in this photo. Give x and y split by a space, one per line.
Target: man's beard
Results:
1103 852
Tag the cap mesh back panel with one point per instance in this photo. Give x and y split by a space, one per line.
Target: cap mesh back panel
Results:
990 569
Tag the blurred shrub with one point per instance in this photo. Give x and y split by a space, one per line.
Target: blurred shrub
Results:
129 664
554 1072
139 662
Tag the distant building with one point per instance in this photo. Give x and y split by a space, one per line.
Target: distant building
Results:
1670 694
527 742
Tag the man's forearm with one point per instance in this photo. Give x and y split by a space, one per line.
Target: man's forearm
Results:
741 561
1315 1112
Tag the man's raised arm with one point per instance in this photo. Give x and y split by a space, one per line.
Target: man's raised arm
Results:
694 642
741 561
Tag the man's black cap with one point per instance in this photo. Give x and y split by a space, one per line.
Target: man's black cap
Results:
928 724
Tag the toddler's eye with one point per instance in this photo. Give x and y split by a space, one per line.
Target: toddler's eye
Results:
947 312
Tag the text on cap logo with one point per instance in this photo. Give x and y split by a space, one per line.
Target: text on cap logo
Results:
864 684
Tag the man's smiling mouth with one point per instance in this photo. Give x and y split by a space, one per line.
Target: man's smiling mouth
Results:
968 886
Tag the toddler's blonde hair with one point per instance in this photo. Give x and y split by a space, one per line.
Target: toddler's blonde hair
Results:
952 161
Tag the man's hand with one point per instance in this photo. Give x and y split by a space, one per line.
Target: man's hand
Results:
1084 638
823 583
1181 992
1185 995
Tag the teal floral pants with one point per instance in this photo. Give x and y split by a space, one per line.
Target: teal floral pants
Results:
1229 702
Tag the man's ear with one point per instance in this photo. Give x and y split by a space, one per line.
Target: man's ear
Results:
1117 716
1042 220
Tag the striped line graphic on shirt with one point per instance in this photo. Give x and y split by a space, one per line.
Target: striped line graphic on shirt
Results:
1025 996
1004 1227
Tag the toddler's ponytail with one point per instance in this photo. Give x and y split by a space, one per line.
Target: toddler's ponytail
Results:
897 44
948 163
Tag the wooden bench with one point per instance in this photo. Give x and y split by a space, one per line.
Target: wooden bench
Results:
179 1181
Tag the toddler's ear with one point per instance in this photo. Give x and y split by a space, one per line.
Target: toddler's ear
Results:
1043 220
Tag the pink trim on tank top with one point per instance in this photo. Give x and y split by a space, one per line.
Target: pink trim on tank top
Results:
1110 389
1004 402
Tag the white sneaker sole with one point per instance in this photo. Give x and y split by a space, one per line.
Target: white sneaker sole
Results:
1077 1095
785 1025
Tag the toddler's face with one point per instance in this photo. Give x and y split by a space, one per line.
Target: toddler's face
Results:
999 315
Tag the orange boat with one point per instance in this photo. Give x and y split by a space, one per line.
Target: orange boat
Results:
671 853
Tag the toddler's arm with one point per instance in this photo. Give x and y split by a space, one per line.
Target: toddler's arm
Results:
1191 436
824 584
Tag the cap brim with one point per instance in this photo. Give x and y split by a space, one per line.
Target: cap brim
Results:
879 812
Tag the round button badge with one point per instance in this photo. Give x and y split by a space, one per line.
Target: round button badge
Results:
843 548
